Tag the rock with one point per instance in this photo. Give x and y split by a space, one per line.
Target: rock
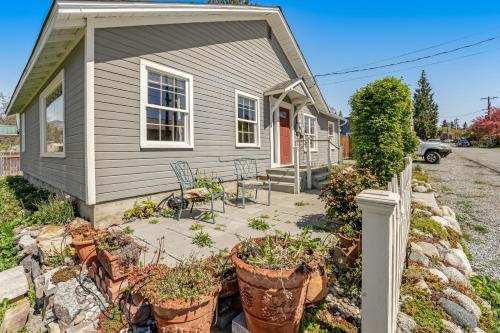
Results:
464 301
419 203
436 211
459 315
451 327
49 287
26 241
414 246
85 327
457 258
428 249
78 319
420 189
422 285
53 328
13 283
441 221
406 324
16 317
444 243
49 232
453 224
66 304
455 276
419 257
35 269
447 211
478 330
48 247
423 212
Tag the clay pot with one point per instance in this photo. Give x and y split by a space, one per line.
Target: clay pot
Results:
229 288
273 300
112 265
86 250
346 242
185 315
135 310
317 288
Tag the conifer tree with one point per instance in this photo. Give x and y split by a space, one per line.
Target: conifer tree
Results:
426 114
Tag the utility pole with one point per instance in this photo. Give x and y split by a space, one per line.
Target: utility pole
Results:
489 98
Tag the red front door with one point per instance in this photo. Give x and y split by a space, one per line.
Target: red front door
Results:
285 137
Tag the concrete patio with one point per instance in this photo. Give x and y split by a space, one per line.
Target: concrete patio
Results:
287 213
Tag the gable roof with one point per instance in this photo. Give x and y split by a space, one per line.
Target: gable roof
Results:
65 25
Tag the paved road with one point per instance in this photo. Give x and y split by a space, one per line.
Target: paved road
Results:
468 181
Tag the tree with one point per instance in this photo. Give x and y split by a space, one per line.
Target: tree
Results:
444 123
464 126
426 110
488 126
229 2
381 122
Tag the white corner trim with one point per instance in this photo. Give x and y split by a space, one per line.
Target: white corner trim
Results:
42 109
23 132
257 99
315 149
189 143
89 114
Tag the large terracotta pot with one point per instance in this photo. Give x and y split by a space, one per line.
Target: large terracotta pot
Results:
136 310
174 316
317 288
346 242
229 288
85 249
112 265
273 300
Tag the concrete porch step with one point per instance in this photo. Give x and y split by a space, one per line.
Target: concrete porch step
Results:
282 178
321 176
282 187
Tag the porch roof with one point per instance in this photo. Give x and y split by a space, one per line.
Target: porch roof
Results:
296 89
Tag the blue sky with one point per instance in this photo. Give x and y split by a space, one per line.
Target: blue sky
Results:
335 35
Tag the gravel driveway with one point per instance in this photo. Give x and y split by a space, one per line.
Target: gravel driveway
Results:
469 182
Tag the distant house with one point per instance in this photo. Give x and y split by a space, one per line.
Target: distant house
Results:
115 91
8 130
345 127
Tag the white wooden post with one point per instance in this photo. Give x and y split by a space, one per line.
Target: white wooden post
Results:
296 167
380 283
341 155
308 162
329 155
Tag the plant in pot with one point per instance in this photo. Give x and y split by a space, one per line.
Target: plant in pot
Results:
225 272
182 298
273 274
83 240
348 236
118 253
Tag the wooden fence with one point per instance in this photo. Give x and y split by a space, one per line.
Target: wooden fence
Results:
9 163
386 223
346 143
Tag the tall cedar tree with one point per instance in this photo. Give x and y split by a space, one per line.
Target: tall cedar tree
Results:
426 114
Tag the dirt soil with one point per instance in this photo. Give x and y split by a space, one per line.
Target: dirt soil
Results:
468 181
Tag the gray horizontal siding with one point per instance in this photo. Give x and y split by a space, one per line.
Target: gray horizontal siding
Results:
222 57
66 174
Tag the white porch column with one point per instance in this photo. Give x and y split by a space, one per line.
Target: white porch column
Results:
296 167
308 162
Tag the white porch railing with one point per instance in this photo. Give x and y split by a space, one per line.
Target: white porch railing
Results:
9 163
386 222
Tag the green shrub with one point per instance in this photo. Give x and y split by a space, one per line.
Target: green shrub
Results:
28 195
381 122
141 210
426 312
488 289
340 191
427 225
202 239
258 224
54 211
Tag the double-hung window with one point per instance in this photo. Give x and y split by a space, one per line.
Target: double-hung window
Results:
310 131
52 118
166 107
247 120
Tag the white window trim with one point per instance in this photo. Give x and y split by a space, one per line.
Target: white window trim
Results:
145 143
23 132
333 136
59 79
315 143
238 93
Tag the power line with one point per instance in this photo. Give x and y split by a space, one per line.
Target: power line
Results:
411 60
489 98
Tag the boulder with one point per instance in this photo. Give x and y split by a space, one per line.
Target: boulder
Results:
85 327
419 203
422 285
26 241
453 224
420 189
464 301
419 257
50 231
457 258
52 240
441 221
415 247
423 212
439 274
458 314
428 249
451 327
406 324
447 211
16 317
13 283
455 276
444 243
436 211
53 328
66 305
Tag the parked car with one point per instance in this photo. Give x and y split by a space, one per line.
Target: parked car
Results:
433 151
463 142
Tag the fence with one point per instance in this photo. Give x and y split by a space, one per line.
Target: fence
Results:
9 163
386 222
346 143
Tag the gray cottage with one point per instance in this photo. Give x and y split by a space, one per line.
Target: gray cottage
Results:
113 92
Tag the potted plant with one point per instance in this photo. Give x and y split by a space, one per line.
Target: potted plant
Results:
348 236
83 241
225 272
182 298
118 253
273 274
317 287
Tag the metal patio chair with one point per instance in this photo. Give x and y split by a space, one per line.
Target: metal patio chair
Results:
247 178
193 193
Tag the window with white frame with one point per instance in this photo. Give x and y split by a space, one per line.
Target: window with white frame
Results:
331 134
166 107
247 120
310 130
52 118
23 132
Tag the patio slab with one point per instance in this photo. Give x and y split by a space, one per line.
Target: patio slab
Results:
287 213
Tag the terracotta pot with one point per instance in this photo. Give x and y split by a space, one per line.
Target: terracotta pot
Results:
86 250
317 288
174 316
229 288
112 265
135 310
345 242
273 300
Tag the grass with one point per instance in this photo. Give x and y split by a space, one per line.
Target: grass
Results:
57 259
265 216
460 217
478 228
467 237
425 311
196 227
219 227
128 230
53 211
208 217
154 221
113 321
258 224
420 175
427 225
301 203
202 239
167 212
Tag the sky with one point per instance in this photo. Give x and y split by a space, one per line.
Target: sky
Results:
335 35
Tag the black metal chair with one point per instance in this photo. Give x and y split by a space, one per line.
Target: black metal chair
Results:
193 193
247 178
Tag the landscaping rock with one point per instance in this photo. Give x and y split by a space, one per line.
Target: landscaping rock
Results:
52 240
428 249
453 224
423 212
457 258
459 315
436 211
447 211
444 243
406 324
26 241
85 327
439 274
15 317
66 305
346 308
420 189
478 330
442 221
422 285
419 203
455 276
13 283
464 301
419 257
53 328
451 327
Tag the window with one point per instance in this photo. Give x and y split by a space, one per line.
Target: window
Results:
247 120
166 107
331 134
52 118
23 132
310 131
